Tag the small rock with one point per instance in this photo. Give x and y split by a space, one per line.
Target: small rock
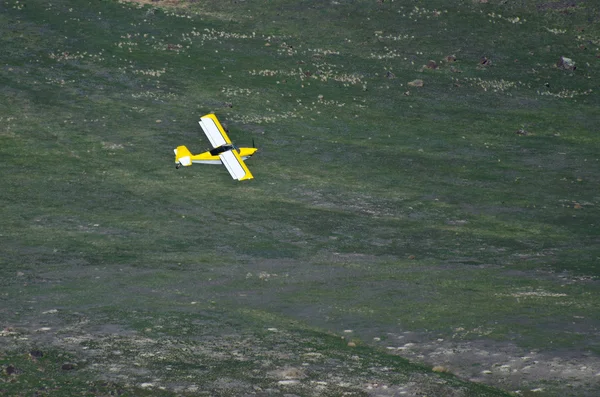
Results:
68 367
485 62
451 58
351 344
289 382
416 83
566 64
431 65
36 354
43 329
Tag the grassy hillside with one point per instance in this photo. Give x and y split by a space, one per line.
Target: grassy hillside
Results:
426 187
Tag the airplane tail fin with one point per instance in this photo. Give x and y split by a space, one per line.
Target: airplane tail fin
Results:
182 157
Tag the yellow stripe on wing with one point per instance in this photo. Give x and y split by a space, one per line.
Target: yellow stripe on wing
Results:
243 164
235 165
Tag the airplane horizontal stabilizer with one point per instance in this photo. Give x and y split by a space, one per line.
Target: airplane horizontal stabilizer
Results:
183 156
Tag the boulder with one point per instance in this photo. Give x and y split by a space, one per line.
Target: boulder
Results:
565 63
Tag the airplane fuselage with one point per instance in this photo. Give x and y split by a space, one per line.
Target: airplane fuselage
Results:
209 158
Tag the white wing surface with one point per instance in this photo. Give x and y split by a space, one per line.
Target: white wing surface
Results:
214 130
235 165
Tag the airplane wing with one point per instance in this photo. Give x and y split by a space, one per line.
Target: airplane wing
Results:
214 130
235 165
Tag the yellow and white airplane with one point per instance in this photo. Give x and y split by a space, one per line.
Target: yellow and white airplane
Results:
223 152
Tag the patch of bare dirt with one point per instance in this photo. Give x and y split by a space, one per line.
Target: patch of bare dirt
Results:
502 364
274 363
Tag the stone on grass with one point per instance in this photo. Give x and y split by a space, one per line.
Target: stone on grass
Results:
68 367
431 65
416 83
565 63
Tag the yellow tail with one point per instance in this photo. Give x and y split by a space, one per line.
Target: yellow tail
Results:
182 157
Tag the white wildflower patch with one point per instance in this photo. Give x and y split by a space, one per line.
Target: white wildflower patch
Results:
387 54
514 20
493 85
227 35
236 91
8 332
420 12
56 81
323 73
556 31
323 52
264 119
390 37
153 95
588 38
150 72
286 49
112 146
269 73
565 93
331 103
213 34
348 78
5 131
266 276
61 56
181 9
173 47
538 293
126 44
18 5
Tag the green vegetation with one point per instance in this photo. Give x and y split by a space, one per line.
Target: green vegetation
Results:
426 188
